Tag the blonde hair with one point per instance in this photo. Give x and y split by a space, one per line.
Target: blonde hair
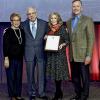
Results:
59 19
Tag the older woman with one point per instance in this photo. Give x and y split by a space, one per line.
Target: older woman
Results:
57 67
13 49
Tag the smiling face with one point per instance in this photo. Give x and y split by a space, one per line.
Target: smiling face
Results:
31 14
76 7
54 19
15 22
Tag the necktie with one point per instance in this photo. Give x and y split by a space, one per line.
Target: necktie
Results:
33 30
74 22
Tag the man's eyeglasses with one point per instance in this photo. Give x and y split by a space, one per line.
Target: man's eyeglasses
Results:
33 13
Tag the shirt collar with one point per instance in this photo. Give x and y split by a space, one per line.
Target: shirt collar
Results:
78 16
35 22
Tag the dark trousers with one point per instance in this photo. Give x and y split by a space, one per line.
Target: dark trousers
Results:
80 78
14 77
30 68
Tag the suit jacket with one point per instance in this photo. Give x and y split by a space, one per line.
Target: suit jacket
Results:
82 38
34 47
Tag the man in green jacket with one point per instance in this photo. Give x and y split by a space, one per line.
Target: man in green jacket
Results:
81 29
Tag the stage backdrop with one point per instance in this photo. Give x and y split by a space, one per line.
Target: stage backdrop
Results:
44 7
95 64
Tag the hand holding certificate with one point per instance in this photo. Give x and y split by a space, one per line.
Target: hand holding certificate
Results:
52 43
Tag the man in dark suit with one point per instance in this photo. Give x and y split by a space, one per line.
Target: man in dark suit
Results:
35 30
81 29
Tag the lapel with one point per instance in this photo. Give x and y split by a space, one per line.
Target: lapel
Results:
73 34
28 28
38 28
70 28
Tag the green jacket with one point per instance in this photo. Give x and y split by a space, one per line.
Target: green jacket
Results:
81 39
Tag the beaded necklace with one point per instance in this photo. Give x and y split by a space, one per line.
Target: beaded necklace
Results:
18 37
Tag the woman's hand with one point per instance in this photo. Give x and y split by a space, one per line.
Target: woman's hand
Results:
62 45
6 62
45 37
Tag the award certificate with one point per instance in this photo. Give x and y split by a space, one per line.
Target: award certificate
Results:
52 43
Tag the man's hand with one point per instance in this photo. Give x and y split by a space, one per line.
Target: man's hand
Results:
87 60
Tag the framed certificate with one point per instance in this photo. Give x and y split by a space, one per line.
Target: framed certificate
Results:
52 43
